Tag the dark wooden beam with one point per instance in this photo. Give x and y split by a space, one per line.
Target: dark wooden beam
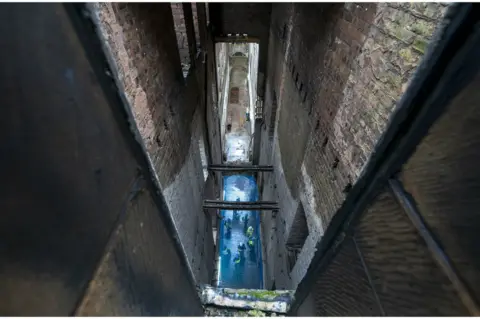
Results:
241 168
219 202
225 205
235 38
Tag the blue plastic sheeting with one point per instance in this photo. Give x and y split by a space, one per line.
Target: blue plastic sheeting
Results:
237 269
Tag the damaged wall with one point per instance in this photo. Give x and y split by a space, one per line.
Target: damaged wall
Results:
334 75
170 115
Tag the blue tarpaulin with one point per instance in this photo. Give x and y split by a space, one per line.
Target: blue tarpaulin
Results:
240 267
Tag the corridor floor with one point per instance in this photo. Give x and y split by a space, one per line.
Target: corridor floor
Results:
240 269
240 261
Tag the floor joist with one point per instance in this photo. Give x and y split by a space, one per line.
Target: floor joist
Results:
240 168
225 205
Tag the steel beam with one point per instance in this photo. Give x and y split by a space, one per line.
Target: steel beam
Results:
226 205
220 202
236 207
241 168
236 38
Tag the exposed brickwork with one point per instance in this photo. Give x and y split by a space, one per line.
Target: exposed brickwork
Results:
334 74
336 71
392 46
149 69
166 106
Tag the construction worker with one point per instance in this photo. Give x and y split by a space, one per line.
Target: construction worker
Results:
228 227
241 249
249 231
245 222
228 224
251 243
237 258
236 215
227 252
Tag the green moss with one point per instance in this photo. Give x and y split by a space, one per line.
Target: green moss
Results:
406 54
420 45
256 313
402 33
395 80
258 294
422 27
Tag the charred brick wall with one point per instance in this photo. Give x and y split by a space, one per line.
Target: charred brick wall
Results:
334 75
170 115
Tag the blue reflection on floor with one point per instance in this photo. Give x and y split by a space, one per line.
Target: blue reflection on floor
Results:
248 272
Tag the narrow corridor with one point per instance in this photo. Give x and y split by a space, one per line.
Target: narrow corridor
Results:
239 244
241 253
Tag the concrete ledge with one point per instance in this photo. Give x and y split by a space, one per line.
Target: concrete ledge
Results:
249 299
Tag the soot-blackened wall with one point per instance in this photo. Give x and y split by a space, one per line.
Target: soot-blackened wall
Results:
334 75
80 207
170 114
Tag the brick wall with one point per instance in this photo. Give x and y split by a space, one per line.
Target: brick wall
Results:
337 71
143 43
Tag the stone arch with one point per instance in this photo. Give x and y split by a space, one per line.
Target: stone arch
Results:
239 54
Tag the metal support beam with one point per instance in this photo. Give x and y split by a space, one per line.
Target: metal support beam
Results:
236 38
240 205
241 168
220 202
237 207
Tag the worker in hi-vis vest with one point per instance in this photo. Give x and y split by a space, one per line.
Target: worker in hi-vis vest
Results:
249 231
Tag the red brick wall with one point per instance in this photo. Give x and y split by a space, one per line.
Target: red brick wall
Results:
337 71
169 112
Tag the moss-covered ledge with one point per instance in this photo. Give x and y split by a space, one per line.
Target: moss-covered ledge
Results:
249 299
